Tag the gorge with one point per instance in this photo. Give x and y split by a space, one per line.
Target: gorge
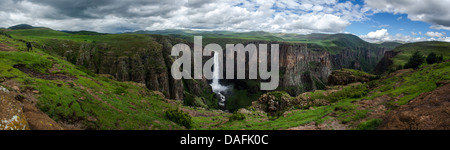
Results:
145 58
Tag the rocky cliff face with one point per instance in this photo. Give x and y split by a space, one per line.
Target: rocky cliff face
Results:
147 63
385 62
304 70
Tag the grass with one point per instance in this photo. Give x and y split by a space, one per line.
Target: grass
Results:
371 124
410 85
89 101
407 50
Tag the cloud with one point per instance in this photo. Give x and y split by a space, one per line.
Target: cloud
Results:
302 16
377 35
434 34
380 26
435 12
383 35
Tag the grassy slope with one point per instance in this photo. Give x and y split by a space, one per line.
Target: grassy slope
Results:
407 50
92 102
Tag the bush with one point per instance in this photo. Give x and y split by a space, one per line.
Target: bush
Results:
237 116
440 58
119 90
349 92
432 58
369 124
415 61
399 67
179 117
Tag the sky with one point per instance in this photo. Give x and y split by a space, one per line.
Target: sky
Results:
371 20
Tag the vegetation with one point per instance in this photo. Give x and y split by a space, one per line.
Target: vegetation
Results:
237 116
432 58
357 91
89 102
415 61
405 51
371 124
179 117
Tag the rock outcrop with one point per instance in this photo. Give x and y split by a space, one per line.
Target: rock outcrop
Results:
347 76
274 103
12 116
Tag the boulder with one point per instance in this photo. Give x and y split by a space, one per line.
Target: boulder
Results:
12 116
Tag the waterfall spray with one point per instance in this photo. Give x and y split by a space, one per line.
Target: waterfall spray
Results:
216 87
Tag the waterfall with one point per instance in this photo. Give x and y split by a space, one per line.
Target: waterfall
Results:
216 87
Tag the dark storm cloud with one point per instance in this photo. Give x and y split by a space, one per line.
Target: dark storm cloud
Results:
435 12
128 15
198 3
94 9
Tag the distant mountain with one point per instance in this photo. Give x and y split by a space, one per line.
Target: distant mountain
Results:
83 32
21 26
325 41
390 44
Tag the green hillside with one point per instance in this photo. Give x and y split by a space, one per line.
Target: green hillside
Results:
407 50
329 42
72 96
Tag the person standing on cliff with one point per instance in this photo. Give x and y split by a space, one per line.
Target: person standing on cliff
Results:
29 47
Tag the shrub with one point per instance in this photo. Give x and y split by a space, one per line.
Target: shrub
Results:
440 58
179 117
119 90
237 116
415 61
399 67
369 124
349 92
432 58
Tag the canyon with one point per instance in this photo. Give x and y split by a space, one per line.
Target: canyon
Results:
303 67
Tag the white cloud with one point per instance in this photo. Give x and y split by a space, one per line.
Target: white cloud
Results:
379 34
383 35
303 16
435 12
434 34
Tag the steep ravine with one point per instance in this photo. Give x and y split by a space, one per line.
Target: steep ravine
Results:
149 62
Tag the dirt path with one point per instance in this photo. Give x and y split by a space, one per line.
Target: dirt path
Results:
4 47
36 74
